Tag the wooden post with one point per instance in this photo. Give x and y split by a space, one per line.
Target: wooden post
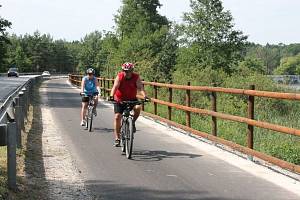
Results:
188 103
143 105
104 88
250 116
214 108
108 86
170 100
101 85
155 96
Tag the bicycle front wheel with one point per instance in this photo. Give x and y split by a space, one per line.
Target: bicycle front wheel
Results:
129 138
124 128
90 119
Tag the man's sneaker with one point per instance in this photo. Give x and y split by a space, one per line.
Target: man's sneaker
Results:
82 123
133 127
95 112
117 143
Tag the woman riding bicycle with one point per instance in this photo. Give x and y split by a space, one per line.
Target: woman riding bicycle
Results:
125 88
89 87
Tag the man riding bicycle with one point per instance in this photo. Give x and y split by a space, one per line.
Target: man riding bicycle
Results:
89 87
125 88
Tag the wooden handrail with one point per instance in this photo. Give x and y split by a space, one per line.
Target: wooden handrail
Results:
250 121
276 95
265 125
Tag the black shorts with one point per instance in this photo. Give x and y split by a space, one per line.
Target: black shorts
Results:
119 108
86 98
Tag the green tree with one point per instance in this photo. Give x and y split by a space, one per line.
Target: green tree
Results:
145 39
4 41
253 65
289 66
209 38
270 55
91 45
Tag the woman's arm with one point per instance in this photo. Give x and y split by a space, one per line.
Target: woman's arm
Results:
97 84
82 85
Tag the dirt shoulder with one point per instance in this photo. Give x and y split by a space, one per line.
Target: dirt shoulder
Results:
45 167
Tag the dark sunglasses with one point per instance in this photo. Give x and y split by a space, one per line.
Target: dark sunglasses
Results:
90 74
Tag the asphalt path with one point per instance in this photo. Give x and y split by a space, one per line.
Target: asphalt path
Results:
162 167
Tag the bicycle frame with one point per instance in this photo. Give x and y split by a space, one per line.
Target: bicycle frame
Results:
127 134
89 112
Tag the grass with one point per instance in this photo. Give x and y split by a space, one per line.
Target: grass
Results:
281 112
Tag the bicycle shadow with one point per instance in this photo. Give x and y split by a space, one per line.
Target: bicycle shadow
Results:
149 156
102 130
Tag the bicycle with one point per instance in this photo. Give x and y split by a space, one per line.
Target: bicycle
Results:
127 134
89 114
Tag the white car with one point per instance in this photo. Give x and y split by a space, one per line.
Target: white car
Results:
46 74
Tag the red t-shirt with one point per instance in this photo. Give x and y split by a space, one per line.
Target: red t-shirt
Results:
127 90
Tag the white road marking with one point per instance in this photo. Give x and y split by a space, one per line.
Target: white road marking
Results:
171 175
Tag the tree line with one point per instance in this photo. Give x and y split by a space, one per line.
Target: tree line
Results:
205 43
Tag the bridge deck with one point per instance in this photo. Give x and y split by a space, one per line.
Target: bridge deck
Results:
163 167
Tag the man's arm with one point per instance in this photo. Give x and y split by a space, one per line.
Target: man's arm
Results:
115 86
140 87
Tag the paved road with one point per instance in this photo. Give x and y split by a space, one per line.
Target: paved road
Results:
9 84
162 167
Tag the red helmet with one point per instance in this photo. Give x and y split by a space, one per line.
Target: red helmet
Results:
128 66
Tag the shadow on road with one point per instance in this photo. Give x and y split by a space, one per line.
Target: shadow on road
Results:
109 190
103 130
144 155
36 186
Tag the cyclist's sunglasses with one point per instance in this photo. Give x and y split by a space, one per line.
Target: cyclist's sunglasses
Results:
90 74
127 71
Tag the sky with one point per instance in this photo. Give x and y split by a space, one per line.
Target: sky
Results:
264 21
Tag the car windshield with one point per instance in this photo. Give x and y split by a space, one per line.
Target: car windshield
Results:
13 69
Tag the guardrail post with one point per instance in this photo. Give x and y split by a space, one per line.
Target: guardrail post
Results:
25 98
214 108
188 103
155 96
170 100
3 135
11 155
250 116
22 108
18 122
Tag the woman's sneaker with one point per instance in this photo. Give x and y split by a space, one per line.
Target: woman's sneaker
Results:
82 123
117 143
133 127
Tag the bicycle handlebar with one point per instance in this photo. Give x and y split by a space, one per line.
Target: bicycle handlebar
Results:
84 94
136 102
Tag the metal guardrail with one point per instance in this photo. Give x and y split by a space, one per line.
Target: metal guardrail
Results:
12 114
105 85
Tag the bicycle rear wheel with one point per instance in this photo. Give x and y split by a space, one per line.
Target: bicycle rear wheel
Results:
123 134
87 120
129 138
90 119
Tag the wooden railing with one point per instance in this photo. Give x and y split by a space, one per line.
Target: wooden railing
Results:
106 84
